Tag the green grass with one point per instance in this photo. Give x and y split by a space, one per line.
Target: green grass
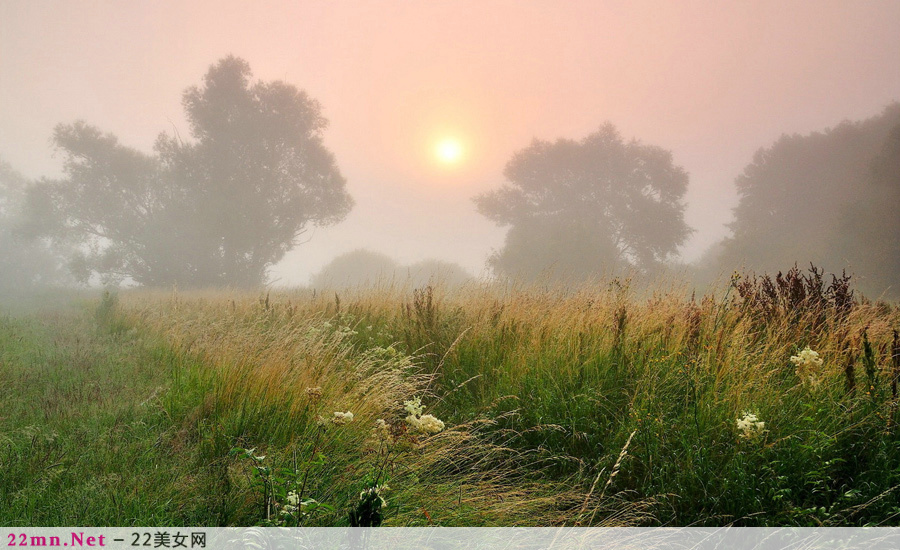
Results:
597 406
87 438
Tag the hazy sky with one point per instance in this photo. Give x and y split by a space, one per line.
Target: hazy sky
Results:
710 81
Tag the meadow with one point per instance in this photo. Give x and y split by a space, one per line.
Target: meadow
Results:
770 402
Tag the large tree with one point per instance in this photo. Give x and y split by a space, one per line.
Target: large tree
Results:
796 197
218 210
582 209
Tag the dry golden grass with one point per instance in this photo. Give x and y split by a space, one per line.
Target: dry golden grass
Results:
264 353
627 358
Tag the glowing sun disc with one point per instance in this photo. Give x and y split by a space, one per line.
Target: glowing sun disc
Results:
449 151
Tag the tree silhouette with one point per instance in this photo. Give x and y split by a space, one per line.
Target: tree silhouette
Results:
871 228
357 268
579 209
218 210
364 268
796 198
26 262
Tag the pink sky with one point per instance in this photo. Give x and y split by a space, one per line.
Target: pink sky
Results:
710 81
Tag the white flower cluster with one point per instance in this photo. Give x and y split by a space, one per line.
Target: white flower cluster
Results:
342 328
293 504
807 357
386 353
808 363
341 418
427 423
750 426
414 406
379 491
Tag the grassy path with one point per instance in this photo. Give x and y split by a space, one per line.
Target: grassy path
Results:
84 437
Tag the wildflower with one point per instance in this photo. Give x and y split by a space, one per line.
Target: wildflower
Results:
750 426
293 505
314 393
414 406
340 418
378 492
385 352
429 424
321 421
807 357
808 363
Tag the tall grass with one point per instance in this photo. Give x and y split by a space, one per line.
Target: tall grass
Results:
542 390
279 368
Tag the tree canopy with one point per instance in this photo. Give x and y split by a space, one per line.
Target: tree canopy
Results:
218 210
871 225
580 209
363 267
25 261
816 198
359 267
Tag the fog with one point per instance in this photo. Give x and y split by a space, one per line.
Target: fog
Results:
710 82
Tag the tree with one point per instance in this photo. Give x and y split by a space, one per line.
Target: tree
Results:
360 267
26 262
216 211
584 208
363 267
438 273
796 195
871 225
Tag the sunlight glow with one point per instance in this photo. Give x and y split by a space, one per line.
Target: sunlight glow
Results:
449 151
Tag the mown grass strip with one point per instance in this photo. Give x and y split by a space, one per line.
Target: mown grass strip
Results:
86 437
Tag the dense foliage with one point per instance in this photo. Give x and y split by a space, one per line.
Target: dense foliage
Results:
829 198
215 211
582 209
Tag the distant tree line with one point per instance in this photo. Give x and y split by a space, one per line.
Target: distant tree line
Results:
591 208
224 206
831 198
364 268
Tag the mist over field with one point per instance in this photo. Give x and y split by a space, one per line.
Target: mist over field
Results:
470 263
420 119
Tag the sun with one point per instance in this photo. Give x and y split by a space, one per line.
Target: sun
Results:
449 151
